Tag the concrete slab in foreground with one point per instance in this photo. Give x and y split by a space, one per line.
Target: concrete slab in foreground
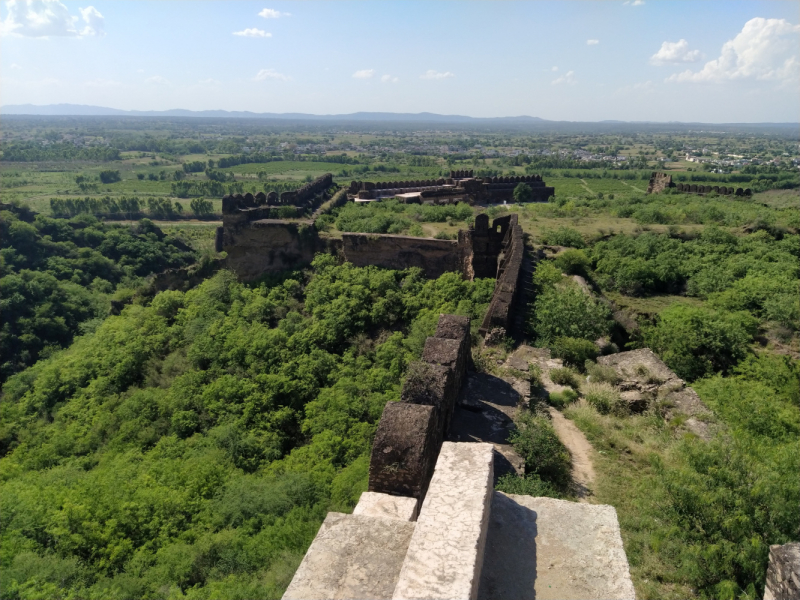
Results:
547 549
354 557
445 554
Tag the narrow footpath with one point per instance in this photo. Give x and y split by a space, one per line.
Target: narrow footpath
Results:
580 449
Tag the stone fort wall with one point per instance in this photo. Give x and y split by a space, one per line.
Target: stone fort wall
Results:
660 181
411 431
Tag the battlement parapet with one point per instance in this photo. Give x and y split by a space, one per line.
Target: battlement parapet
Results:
307 196
411 431
693 188
507 284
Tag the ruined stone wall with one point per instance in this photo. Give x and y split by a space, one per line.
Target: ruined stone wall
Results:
659 182
460 185
692 188
434 257
411 431
268 246
257 206
507 285
783 574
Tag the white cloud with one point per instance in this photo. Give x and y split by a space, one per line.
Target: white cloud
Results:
568 78
364 74
157 79
765 49
209 82
95 23
554 69
633 2
389 79
45 18
431 74
15 66
675 52
254 33
592 42
265 74
270 13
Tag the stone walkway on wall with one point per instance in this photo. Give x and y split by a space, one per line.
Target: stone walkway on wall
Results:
485 413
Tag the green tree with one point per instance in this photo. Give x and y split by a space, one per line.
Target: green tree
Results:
523 193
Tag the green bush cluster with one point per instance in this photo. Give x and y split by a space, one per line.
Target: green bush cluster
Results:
57 276
563 310
563 236
391 216
574 351
696 341
194 444
545 456
755 272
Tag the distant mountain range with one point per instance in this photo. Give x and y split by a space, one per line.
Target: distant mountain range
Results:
85 110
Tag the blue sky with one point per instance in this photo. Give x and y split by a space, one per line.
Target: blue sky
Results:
578 61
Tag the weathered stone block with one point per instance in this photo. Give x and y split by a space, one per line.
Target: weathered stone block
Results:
373 504
547 549
404 451
354 557
445 554
783 573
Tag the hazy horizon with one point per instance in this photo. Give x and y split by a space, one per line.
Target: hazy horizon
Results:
633 60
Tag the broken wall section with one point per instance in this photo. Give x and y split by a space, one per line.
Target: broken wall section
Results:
411 431
507 287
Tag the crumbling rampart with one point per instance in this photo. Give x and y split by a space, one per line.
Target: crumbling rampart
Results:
507 284
411 431
269 246
693 188
661 181
434 257
459 187
261 206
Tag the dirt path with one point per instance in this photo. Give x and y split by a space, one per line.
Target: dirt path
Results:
633 186
581 451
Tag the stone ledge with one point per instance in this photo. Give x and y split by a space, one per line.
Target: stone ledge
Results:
547 549
445 555
373 504
354 557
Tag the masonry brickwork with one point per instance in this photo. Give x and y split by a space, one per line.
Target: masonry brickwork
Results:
411 431
661 181
507 284
461 186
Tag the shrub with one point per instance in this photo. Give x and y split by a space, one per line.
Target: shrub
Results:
537 442
563 399
527 485
110 176
603 396
563 236
573 262
546 275
568 312
574 351
601 373
696 342
565 376
523 193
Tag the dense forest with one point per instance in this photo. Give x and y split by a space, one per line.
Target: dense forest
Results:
191 446
57 277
